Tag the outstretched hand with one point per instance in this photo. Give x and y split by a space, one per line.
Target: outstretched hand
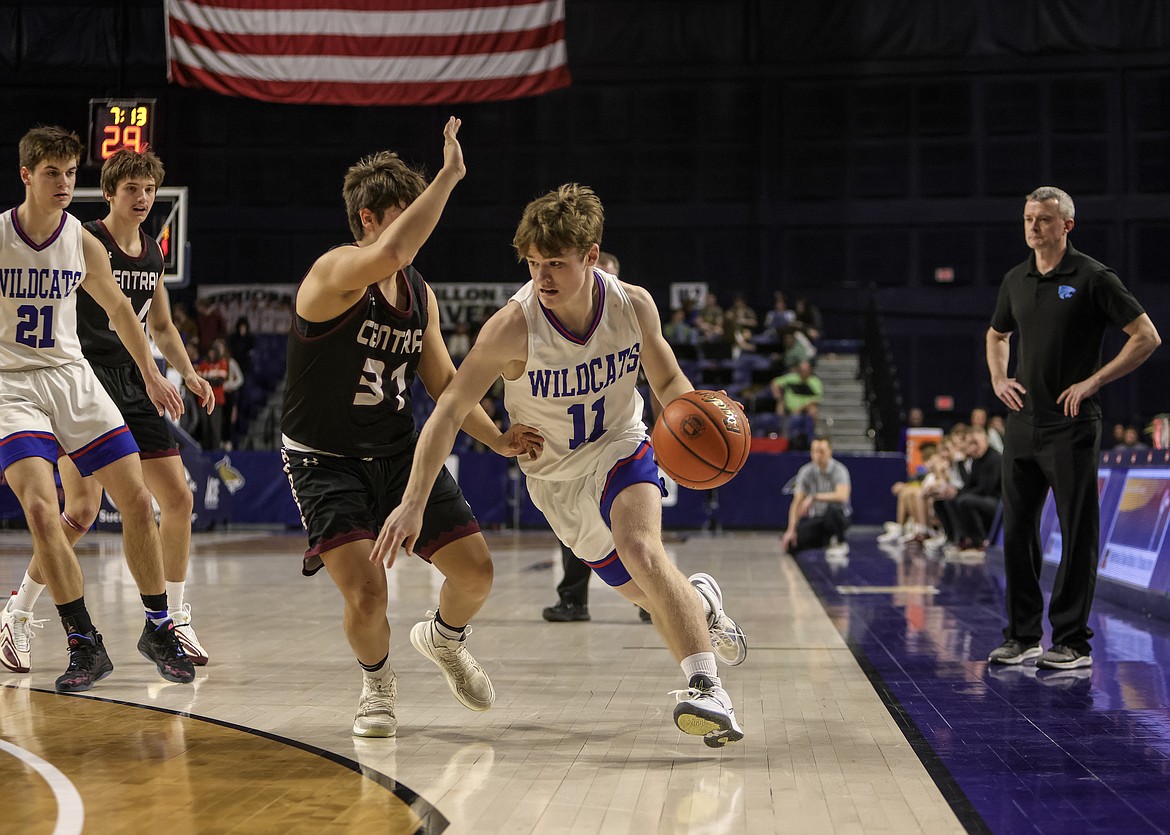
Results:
452 150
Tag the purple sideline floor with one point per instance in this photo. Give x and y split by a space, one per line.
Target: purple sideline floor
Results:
1013 749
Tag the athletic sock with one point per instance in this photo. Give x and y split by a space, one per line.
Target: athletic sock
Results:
445 630
376 671
156 609
25 597
175 594
75 617
701 663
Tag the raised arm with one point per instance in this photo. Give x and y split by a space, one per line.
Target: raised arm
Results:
100 284
349 269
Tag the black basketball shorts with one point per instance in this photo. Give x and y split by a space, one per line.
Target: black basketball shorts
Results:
343 500
151 430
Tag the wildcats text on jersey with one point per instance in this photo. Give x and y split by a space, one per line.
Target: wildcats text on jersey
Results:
387 338
586 377
33 283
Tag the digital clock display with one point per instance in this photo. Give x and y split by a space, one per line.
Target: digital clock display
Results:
119 123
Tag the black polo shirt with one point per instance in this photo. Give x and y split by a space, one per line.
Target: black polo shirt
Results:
1061 319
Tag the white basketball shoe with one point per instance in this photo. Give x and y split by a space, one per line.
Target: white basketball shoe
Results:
704 709
185 632
16 634
375 714
466 678
727 639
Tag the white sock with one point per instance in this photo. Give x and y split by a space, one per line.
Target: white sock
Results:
447 632
706 603
701 663
175 595
25 597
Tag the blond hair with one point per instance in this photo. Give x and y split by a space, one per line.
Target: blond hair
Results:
570 218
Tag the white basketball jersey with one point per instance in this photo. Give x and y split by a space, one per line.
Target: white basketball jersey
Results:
578 391
38 308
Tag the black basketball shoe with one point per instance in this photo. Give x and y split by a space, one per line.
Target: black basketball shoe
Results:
88 663
161 645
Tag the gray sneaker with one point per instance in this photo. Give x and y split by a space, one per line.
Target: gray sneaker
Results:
1012 651
375 713
464 675
727 639
1064 657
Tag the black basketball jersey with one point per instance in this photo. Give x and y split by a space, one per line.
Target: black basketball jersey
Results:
349 379
138 278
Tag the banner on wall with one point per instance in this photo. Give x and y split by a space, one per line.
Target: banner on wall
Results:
471 302
267 307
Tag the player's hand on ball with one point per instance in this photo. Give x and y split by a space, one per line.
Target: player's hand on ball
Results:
723 393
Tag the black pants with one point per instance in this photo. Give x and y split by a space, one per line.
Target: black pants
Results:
816 531
966 517
574 588
1063 457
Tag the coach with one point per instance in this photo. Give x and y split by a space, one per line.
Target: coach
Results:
1060 301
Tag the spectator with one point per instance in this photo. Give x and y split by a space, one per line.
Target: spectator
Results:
743 315
779 319
231 387
798 396
677 331
808 319
910 514
966 518
459 342
710 321
214 369
184 324
1131 440
821 509
797 349
979 419
608 262
240 344
209 323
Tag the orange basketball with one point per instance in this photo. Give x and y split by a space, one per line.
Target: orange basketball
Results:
701 439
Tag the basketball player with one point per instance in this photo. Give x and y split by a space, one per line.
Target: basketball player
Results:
129 182
51 396
366 324
569 345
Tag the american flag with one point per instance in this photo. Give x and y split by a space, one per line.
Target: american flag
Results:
368 52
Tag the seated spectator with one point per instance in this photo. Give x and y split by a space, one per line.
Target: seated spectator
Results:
797 349
1131 441
743 314
678 331
779 320
996 428
808 319
994 437
910 514
459 342
821 509
709 322
798 395
966 518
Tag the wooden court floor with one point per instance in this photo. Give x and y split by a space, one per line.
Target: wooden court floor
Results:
580 739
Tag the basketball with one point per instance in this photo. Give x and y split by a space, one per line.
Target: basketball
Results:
701 439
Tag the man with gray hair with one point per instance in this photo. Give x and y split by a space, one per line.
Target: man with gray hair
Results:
1060 301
